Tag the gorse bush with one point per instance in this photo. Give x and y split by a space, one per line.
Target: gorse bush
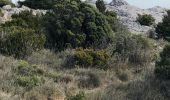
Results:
91 58
162 69
163 28
80 25
21 36
145 19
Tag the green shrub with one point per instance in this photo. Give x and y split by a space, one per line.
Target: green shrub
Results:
163 28
28 75
19 42
25 69
89 81
22 35
91 58
28 81
162 67
145 19
80 26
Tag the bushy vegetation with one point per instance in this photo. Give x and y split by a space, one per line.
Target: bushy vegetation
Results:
162 70
91 58
80 25
163 28
28 75
145 19
101 6
21 36
133 49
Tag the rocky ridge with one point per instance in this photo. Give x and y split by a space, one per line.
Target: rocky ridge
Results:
128 14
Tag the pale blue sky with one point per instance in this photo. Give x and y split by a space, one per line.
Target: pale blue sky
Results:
144 3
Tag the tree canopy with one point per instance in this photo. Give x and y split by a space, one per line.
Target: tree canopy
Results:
163 28
72 23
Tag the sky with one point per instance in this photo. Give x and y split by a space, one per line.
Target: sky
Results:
143 3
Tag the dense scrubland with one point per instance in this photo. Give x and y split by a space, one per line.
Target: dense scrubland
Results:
80 52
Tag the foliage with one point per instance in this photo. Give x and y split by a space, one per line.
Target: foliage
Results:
38 4
92 58
80 25
26 19
163 28
21 36
28 81
4 2
28 75
101 6
24 69
19 42
162 70
133 49
145 19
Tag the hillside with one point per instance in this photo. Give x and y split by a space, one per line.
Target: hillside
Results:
83 50
129 13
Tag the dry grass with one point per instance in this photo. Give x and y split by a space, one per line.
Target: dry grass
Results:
119 83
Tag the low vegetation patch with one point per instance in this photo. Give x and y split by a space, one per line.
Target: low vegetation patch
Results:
91 58
145 19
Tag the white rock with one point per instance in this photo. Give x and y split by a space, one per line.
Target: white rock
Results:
128 14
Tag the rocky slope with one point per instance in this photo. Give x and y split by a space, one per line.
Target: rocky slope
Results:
128 13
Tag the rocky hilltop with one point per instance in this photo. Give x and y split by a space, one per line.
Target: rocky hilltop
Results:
128 14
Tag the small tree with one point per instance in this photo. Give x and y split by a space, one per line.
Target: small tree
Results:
101 6
145 19
162 69
163 28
